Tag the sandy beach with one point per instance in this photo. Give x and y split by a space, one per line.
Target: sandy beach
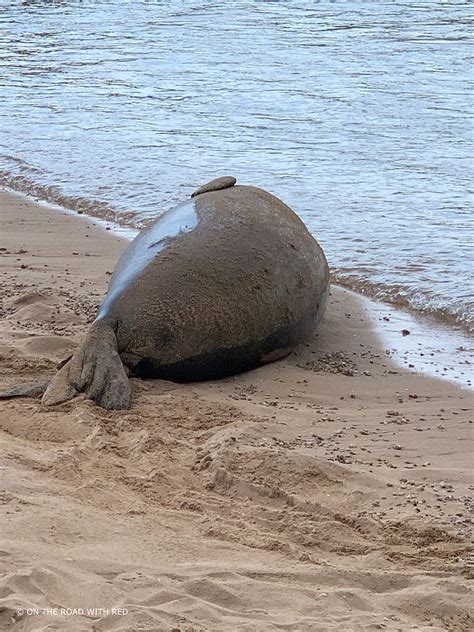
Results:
327 491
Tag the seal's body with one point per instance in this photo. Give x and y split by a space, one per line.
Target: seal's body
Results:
228 280
215 286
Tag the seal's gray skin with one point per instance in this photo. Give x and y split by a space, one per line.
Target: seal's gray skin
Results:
227 281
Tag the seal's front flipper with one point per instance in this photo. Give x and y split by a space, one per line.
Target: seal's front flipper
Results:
30 389
216 185
96 370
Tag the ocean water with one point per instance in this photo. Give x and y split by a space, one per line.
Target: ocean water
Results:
357 114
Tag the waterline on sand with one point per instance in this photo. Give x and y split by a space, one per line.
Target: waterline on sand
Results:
431 348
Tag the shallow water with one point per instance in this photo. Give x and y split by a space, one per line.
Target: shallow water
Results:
354 113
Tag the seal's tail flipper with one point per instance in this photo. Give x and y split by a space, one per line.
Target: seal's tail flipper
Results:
30 389
96 370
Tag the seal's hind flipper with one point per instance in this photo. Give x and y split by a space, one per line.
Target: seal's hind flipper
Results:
96 370
215 185
30 389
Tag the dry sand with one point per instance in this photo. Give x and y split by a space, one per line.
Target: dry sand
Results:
329 491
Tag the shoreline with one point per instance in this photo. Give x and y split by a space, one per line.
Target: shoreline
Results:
436 320
447 360
329 490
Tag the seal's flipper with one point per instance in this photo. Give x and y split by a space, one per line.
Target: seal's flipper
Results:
31 389
96 370
216 185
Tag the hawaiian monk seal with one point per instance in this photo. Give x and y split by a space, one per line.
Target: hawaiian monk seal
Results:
226 281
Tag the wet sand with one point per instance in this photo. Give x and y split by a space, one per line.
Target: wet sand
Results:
328 491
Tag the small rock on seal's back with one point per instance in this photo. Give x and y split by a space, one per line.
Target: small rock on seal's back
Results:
216 185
